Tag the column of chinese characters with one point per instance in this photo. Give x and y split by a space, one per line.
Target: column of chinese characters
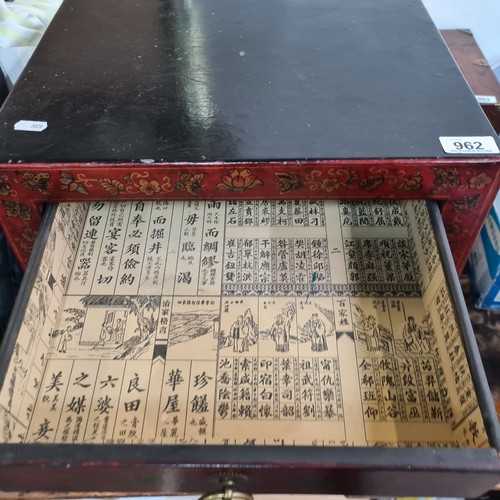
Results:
230 260
247 256
319 271
111 248
426 234
212 249
174 401
134 248
268 388
225 389
343 320
69 220
156 249
245 384
87 254
430 390
77 402
279 389
190 247
104 407
248 213
283 272
262 271
50 402
307 213
453 343
379 260
281 213
233 217
200 404
164 319
400 389
132 403
372 213
300 256
68 223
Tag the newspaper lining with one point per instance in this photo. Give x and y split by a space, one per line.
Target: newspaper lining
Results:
260 322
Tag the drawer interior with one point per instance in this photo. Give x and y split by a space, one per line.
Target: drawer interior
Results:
318 323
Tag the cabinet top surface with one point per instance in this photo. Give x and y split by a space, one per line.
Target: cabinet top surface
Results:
213 80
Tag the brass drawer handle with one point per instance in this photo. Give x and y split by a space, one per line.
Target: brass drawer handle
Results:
227 492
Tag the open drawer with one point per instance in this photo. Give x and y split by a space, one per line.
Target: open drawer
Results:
310 346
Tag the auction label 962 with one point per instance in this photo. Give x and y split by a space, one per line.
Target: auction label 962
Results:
469 145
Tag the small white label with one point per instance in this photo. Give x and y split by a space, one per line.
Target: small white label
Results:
469 145
30 126
486 99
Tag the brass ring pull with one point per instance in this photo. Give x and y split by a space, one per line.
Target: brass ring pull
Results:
227 493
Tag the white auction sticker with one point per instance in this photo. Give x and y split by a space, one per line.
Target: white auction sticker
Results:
469 145
486 99
30 126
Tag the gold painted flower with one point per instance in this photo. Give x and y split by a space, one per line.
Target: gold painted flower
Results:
149 188
191 183
446 178
479 181
288 181
36 182
29 234
413 183
466 203
68 182
112 186
239 181
328 185
371 182
4 186
15 209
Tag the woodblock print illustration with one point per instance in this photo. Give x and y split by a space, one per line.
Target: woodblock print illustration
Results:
278 350
122 327
194 327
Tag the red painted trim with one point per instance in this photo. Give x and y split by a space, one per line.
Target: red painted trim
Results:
465 188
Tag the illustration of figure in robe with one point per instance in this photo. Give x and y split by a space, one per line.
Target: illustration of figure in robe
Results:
245 336
63 341
372 334
105 334
316 330
415 338
118 332
320 329
236 333
279 334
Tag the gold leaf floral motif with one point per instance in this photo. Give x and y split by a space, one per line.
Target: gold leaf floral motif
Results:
371 182
149 188
328 185
466 203
479 181
128 179
18 210
29 234
239 181
446 178
288 181
413 183
5 187
191 183
112 186
36 182
68 182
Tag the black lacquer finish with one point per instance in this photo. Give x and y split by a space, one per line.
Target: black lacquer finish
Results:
208 80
